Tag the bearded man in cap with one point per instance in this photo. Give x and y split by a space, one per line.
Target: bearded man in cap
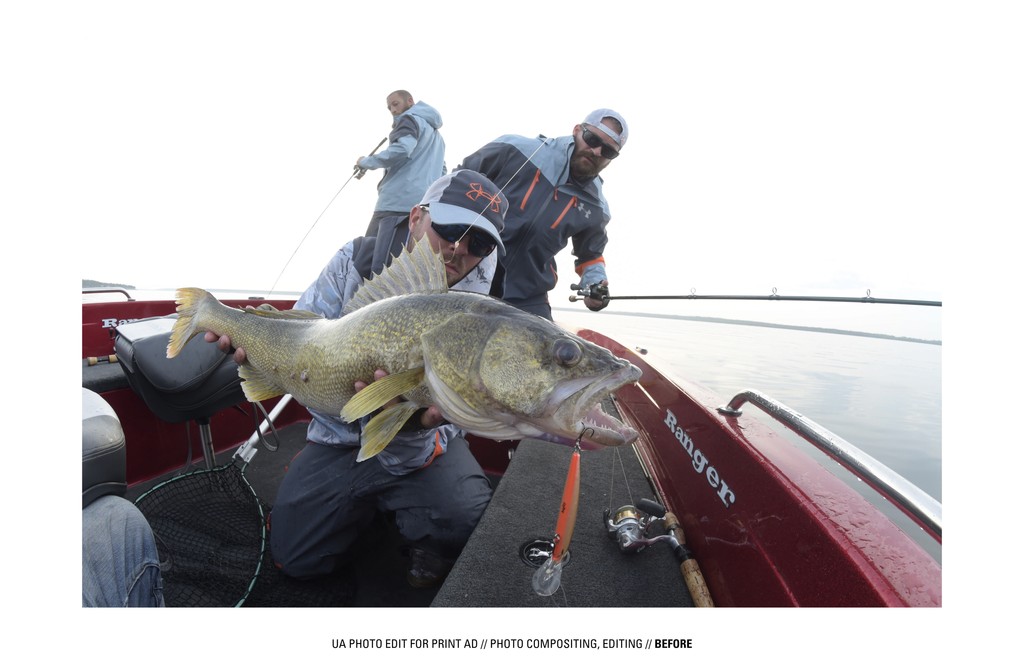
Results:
554 191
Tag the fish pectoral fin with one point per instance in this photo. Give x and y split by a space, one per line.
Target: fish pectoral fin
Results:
255 386
380 430
377 394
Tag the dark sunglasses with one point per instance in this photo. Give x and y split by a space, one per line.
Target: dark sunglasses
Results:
592 140
480 243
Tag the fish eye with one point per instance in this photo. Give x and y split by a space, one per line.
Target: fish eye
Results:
567 352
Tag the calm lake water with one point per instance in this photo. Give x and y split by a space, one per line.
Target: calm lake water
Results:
880 394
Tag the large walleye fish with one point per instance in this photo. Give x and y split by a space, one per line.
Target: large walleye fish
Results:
490 368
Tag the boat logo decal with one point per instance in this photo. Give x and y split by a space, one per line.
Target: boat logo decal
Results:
701 464
110 323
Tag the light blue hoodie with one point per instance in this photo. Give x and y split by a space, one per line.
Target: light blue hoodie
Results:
412 161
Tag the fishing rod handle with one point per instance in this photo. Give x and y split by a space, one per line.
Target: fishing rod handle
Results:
359 172
651 507
692 575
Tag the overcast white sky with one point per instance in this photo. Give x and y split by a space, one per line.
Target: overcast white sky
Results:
802 146
794 145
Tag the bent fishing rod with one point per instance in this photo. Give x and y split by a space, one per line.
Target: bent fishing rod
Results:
600 293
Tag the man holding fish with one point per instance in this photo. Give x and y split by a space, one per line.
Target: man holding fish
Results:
377 362
426 476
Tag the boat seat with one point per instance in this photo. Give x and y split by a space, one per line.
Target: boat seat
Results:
201 381
103 450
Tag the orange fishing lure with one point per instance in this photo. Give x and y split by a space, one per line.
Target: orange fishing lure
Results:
548 577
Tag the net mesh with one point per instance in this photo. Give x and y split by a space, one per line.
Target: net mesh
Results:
210 528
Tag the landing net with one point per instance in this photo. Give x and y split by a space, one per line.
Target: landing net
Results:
211 531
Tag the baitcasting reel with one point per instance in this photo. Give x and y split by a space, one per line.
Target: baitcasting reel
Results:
597 291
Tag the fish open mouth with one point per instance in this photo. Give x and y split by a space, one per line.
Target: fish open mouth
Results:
573 412
605 430
594 427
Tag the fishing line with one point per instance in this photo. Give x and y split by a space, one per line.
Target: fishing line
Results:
533 220
299 245
501 191
625 479
357 173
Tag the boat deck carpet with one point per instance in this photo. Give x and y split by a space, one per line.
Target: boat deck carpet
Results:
491 573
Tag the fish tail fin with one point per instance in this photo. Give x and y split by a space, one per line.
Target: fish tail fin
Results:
189 301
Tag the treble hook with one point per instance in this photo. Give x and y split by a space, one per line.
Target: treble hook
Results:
580 437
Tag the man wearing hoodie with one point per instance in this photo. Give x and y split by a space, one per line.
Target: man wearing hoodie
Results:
413 160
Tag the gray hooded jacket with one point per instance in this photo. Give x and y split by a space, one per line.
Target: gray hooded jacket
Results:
412 161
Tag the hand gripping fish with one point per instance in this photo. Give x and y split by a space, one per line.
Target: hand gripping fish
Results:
490 368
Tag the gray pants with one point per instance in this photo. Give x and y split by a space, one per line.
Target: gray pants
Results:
374 225
327 499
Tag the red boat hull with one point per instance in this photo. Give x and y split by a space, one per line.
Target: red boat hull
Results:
769 525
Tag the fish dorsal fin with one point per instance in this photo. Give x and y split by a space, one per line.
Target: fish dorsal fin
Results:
287 314
417 271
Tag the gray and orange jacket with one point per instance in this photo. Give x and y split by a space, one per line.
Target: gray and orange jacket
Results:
546 208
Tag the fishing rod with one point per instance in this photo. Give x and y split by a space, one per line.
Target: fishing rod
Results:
357 173
600 292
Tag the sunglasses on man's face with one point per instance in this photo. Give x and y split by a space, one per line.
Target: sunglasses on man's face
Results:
592 140
480 243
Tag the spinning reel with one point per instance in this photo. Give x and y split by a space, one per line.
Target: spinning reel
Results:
630 525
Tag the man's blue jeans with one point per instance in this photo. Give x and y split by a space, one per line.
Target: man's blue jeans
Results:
120 563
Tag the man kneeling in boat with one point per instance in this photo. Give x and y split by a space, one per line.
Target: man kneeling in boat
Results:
427 477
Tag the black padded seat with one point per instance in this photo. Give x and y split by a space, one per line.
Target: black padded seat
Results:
103 450
193 386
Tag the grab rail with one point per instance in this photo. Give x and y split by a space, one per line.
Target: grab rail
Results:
919 505
100 291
